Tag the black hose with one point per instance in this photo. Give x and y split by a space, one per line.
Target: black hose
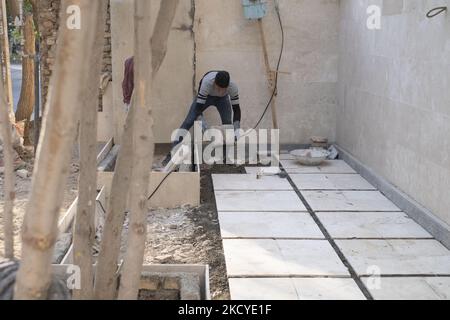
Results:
160 184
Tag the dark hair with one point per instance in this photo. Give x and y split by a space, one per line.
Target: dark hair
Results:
223 79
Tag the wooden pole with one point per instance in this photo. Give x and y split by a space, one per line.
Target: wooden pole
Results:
146 67
271 75
40 228
9 185
85 218
6 60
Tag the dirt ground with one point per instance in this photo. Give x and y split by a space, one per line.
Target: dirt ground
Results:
192 235
23 190
180 236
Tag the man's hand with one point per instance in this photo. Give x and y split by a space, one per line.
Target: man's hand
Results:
237 130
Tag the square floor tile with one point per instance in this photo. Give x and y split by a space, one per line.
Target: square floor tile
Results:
311 257
256 170
331 182
327 289
262 289
397 257
268 225
328 167
249 182
258 201
254 258
348 201
294 289
266 258
371 225
417 288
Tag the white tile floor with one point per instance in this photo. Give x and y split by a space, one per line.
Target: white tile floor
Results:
258 201
397 257
421 288
275 250
230 182
268 225
295 289
331 182
269 258
348 201
371 225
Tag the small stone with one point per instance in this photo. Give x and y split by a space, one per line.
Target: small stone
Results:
22 173
163 259
207 243
173 227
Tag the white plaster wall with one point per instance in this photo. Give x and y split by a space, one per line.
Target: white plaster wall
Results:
173 86
225 40
307 94
394 96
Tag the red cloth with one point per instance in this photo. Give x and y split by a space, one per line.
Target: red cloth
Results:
128 80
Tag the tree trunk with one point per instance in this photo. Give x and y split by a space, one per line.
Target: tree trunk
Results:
9 186
5 60
105 275
27 95
143 137
85 218
13 8
60 121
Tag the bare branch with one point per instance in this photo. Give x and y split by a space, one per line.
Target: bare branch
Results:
161 33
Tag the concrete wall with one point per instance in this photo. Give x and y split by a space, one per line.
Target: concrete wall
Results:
213 34
173 85
394 97
307 95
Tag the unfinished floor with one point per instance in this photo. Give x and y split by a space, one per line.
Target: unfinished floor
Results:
324 233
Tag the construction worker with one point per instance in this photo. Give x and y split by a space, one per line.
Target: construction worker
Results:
215 89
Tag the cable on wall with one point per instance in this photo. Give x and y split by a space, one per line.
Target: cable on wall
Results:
436 11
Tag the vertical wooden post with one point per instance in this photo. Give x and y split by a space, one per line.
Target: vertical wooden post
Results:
6 63
40 227
271 75
85 218
148 59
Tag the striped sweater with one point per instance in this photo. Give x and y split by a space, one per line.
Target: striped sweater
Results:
207 88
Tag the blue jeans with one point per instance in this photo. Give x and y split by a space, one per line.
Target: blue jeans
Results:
223 105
